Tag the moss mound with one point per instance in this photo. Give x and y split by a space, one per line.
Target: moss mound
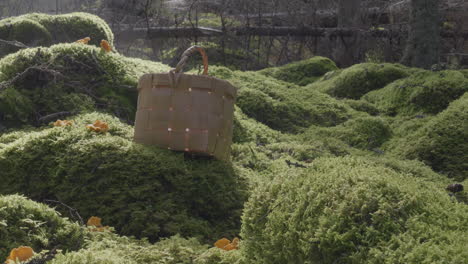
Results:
109 248
359 79
27 223
440 142
37 29
280 105
27 31
361 132
425 92
302 72
71 78
348 210
246 129
140 190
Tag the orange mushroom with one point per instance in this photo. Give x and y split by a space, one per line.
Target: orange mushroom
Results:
63 123
20 254
226 244
98 126
106 46
95 222
83 40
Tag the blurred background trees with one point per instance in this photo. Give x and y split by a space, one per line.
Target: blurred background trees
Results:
253 34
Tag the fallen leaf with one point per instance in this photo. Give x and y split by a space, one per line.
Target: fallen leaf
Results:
106 46
83 40
20 254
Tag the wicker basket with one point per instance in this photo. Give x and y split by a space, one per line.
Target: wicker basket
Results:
184 112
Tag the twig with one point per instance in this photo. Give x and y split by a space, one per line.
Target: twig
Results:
73 211
51 117
14 43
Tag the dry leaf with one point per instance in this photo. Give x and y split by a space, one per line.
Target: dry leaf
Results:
84 40
20 254
98 126
106 46
63 123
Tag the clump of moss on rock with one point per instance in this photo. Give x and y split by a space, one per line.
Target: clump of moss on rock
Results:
27 223
441 141
302 72
283 106
359 79
348 210
164 192
36 29
424 92
68 78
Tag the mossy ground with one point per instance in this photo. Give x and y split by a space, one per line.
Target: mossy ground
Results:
24 222
359 79
303 72
425 92
38 29
68 78
164 193
331 175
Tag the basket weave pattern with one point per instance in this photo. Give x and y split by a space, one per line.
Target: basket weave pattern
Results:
192 113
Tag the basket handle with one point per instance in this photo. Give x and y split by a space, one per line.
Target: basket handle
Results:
187 54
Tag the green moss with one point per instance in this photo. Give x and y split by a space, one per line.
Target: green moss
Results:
26 31
219 256
362 106
69 77
359 79
164 193
248 130
441 141
362 132
36 29
425 92
348 210
283 106
302 72
27 223
109 248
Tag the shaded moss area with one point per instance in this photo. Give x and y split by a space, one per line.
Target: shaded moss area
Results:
362 132
359 79
140 190
38 29
441 141
348 210
24 222
283 106
71 78
302 72
424 92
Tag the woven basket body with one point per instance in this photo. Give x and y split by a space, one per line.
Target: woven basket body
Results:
183 112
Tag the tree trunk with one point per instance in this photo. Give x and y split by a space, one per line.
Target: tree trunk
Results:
423 44
347 49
